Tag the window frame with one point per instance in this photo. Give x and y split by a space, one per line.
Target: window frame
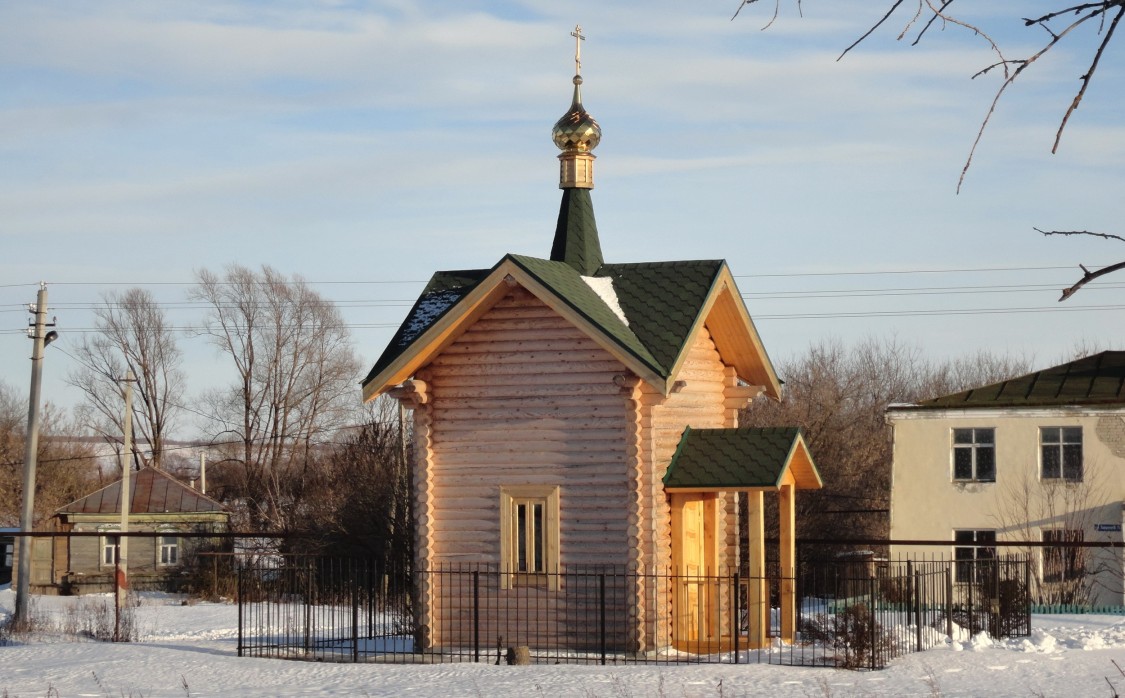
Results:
162 546
545 539
110 538
975 550
974 446
1059 448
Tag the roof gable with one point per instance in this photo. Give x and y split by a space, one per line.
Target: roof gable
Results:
664 304
152 491
1093 380
741 459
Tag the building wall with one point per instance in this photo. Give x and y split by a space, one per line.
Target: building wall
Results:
524 398
927 503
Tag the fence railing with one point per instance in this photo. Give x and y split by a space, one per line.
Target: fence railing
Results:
361 610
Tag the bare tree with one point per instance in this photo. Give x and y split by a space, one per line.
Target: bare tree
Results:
1032 508
838 396
296 382
361 499
67 467
1063 22
132 333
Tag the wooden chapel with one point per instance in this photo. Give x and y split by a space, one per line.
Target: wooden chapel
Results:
574 414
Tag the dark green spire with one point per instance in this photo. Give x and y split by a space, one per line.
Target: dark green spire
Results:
576 234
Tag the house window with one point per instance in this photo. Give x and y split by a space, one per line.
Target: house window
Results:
1061 449
529 535
1063 563
974 455
169 550
111 550
7 555
974 553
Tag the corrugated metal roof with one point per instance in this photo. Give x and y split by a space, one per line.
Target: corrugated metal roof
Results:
1093 380
152 492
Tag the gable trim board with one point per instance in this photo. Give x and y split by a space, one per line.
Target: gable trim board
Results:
561 288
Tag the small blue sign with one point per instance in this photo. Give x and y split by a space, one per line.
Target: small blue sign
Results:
1110 528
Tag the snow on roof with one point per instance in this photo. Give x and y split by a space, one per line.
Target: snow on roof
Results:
603 286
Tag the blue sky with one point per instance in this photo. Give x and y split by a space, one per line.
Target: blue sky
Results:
363 145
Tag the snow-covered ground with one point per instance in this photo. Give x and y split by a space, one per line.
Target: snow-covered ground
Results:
189 650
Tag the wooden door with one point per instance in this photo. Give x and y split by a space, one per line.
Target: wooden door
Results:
694 555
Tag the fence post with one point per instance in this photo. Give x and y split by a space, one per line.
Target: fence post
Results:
949 601
735 623
1027 593
872 643
476 615
354 579
601 614
241 599
918 607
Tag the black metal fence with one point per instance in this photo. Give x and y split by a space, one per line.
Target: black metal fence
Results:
848 615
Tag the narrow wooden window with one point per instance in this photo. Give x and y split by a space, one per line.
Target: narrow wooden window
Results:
529 535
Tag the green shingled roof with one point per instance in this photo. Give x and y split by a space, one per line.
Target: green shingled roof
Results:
1093 380
731 458
662 301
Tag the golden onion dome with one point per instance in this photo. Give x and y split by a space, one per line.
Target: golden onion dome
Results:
577 131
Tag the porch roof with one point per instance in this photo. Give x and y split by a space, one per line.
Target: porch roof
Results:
725 460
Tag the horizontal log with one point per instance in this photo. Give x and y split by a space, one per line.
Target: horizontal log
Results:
559 357
465 378
578 422
542 439
460 457
455 365
544 334
523 345
535 403
493 392
563 449
527 410
494 323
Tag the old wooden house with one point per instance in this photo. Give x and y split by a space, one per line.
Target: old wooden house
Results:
159 505
574 414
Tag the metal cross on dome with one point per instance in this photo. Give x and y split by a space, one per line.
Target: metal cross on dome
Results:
578 39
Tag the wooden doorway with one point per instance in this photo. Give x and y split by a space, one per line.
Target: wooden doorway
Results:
696 599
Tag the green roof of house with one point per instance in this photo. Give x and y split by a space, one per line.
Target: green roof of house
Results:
730 459
1094 380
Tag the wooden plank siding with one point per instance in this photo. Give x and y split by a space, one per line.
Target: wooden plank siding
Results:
521 397
524 397
499 420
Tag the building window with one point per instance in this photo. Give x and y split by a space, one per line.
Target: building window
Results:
1061 449
169 550
974 455
111 550
7 555
1063 563
529 535
974 554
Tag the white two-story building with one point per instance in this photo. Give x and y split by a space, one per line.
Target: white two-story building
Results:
1039 458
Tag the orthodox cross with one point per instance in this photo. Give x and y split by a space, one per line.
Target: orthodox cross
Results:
578 39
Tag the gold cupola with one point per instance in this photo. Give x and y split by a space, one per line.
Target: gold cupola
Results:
576 133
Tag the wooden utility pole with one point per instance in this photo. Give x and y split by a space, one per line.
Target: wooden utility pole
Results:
39 339
122 567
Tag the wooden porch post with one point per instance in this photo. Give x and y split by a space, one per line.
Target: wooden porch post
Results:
786 509
757 588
